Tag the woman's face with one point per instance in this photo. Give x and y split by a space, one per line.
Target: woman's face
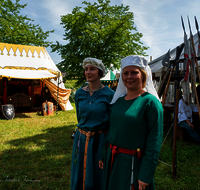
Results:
132 78
91 73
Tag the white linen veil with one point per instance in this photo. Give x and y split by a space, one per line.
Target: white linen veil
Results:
134 60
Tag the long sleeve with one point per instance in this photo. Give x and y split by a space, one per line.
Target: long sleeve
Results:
76 104
194 108
181 112
153 144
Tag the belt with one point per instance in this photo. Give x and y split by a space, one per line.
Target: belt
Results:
116 150
88 134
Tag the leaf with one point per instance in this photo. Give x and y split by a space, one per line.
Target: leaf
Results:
98 30
18 29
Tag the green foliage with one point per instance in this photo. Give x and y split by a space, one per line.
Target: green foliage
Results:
18 29
72 84
98 30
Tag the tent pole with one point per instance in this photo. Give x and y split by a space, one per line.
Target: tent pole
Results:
32 92
57 93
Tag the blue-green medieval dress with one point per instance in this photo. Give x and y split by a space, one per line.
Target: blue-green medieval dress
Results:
135 123
91 117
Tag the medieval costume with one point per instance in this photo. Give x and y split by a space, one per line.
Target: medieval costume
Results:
185 118
135 135
92 116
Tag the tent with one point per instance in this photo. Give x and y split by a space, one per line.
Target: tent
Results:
110 79
158 69
156 64
31 68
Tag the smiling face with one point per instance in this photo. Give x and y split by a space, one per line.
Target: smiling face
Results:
132 78
91 73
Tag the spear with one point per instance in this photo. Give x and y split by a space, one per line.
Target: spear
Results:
186 53
166 62
198 34
186 63
192 48
193 54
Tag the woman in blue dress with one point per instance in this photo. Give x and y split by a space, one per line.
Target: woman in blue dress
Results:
92 106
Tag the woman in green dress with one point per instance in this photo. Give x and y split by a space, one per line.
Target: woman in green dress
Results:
92 106
133 142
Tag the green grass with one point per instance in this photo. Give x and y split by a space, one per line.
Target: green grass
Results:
188 165
35 153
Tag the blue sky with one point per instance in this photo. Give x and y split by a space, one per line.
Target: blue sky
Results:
158 20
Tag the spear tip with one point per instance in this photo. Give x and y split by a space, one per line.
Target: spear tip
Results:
196 23
189 25
183 24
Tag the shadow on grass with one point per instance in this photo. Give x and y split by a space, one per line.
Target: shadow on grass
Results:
187 165
21 115
38 162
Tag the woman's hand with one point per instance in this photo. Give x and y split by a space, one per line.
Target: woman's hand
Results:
142 185
100 164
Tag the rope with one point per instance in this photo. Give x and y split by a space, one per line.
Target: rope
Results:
163 143
167 134
165 163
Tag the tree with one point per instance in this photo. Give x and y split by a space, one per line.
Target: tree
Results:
98 30
18 29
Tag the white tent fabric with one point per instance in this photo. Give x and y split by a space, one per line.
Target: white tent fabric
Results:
157 67
26 74
28 62
25 56
107 77
156 64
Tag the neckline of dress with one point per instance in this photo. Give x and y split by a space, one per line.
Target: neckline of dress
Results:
94 91
136 97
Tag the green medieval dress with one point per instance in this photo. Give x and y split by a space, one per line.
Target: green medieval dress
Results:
135 123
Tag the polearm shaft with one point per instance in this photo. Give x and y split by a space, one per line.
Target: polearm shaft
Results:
167 87
194 50
198 35
174 161
163 82
194 87
192 47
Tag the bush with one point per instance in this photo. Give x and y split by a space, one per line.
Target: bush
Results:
71 84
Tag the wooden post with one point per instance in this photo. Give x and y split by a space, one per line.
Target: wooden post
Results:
174 161
32 92
58 92
6 92
42 96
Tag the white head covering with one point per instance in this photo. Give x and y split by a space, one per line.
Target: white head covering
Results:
95 62
134 60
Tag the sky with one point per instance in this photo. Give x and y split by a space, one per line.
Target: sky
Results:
158 20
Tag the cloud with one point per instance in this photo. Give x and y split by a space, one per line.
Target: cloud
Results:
58 8
159 22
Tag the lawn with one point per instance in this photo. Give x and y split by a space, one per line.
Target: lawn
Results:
35 153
